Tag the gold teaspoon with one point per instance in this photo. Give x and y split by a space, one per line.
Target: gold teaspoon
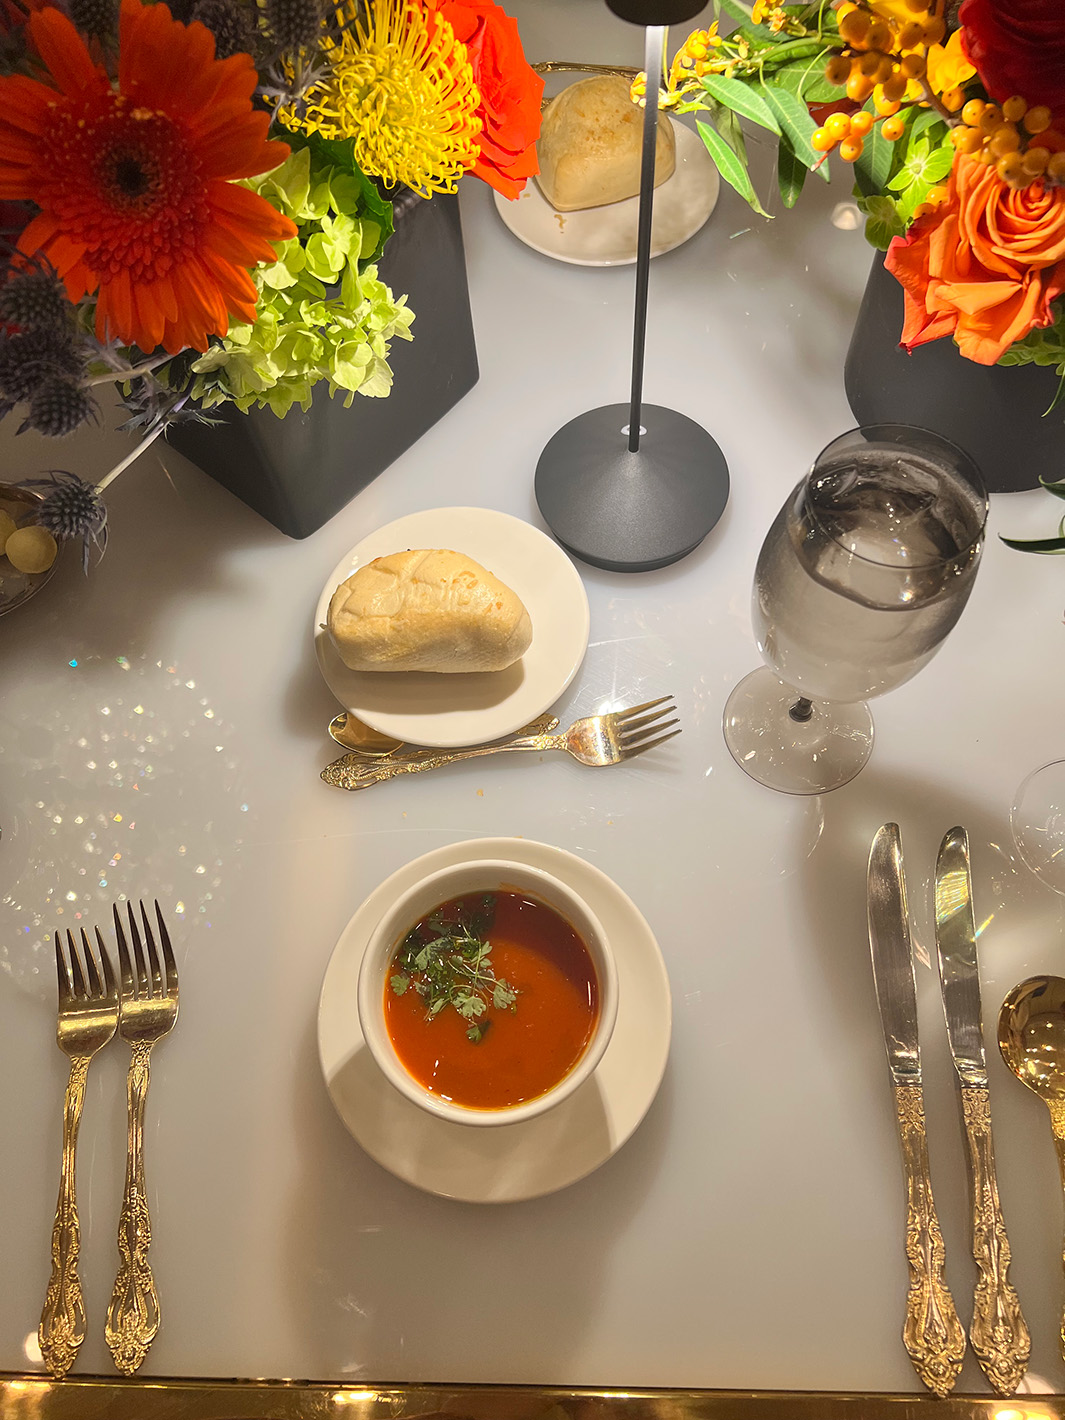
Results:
1031 1037
354 735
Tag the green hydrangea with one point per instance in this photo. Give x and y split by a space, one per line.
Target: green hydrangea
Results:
319 317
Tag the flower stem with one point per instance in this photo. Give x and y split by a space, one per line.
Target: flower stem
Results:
936 103
131 374
109 478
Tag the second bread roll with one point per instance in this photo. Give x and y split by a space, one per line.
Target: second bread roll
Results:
427 610
590 143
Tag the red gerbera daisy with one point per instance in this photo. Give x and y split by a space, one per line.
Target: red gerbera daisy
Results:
135 183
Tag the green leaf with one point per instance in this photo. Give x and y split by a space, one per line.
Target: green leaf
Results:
911 199
791 173
885 221
1044 544
742 99
938 164
729 166
1057 487
730 128
739 12
872 168
805 78
926 119
399 984
796 124
923 164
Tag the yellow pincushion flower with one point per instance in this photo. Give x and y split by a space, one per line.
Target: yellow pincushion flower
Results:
401 86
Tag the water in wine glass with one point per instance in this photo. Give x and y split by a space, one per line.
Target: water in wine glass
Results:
865 570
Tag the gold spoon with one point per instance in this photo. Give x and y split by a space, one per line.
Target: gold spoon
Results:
1031 1036
353 734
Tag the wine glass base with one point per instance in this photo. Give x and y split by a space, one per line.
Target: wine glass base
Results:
794 756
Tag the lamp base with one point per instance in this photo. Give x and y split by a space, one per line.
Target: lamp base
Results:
625 511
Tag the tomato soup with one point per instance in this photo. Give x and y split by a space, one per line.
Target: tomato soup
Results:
525 1038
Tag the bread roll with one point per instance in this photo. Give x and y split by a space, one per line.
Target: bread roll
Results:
590 142
427 611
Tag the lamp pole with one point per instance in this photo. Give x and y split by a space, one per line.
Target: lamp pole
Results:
637 493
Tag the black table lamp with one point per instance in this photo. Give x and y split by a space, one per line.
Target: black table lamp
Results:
634 486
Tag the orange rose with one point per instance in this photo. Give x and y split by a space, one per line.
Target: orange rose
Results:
984 266
510 91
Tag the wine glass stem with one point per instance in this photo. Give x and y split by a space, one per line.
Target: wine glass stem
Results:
801 710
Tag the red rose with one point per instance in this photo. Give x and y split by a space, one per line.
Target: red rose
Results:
510 91
1018 47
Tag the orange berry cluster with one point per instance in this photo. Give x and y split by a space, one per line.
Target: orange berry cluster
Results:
884 56
846 129
1018 140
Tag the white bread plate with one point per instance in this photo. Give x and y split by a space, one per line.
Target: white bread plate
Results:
447 711
606 236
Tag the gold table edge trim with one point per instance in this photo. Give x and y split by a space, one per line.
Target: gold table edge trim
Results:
36 1397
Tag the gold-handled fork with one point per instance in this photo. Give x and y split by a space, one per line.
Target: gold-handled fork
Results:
596 740
149 1010
88 1015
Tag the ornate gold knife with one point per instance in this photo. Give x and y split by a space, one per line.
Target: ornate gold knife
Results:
998 1334
932 1333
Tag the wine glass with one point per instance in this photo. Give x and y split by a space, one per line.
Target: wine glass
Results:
866 568
1037 819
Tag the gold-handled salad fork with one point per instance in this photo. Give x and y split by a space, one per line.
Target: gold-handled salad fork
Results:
149 1010
88 1015
596 740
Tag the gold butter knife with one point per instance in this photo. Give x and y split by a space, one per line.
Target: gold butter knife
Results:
999 1334
932 1333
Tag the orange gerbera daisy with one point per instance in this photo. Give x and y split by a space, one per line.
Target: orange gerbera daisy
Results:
135 183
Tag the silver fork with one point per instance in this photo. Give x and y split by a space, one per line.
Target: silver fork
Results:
88 1015
149 1010
596 740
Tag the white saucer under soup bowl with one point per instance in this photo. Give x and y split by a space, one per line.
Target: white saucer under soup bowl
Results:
468 879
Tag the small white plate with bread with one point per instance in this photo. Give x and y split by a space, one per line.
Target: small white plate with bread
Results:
490 600
606 235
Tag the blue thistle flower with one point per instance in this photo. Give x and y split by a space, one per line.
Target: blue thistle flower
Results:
72 508
35 300
58 406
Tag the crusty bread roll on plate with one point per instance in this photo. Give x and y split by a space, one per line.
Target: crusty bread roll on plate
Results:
427 609
590 144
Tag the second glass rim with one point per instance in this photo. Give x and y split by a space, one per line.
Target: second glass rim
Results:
977 482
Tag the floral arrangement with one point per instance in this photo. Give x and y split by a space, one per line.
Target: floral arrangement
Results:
953 119
194 197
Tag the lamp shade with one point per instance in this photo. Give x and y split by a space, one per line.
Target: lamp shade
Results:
656 12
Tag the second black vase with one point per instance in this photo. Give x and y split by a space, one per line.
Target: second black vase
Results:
997 414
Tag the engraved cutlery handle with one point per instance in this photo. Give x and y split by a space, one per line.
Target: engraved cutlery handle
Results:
62 1328
133 1315
999 1334
932 1335
353 771
1057 1125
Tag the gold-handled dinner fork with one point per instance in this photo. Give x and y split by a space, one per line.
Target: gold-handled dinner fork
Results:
596 740
88 1015
149 1010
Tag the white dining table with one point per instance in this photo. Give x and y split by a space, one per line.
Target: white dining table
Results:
162 731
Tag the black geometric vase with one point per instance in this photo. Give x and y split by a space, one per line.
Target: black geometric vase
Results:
300 470
996 413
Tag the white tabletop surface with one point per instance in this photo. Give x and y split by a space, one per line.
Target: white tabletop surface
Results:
162 728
